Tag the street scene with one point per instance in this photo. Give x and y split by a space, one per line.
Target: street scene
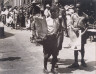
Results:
47 37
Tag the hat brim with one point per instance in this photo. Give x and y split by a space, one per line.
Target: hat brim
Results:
34 2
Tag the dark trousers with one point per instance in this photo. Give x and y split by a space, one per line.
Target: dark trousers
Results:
50 48
83 42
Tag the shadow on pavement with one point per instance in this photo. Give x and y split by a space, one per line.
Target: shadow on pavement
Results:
67 62
6 35
63 61
91 66
10 59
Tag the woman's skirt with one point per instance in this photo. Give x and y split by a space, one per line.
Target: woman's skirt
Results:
75 38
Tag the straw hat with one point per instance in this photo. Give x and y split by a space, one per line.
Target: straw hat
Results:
34 2
47 5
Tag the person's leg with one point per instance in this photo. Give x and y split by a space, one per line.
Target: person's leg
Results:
33 31
54 61
66 31
46 56
82 51
65 27
21 26
75 64
12 25
82 56
60 40
76 56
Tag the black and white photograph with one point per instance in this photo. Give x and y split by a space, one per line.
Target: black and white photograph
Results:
47 36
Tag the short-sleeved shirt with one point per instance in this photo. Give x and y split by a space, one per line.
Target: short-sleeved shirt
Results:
53 25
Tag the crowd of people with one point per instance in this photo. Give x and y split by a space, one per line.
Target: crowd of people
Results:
68 20
18 17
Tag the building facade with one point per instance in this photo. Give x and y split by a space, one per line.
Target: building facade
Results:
18 2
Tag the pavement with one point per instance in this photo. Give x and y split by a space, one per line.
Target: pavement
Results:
19 56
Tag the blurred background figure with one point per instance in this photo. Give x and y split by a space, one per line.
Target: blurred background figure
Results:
47 11
28 23
9 20
15 17
3 15
21 18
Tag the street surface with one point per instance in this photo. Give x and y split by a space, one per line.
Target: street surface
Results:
19 56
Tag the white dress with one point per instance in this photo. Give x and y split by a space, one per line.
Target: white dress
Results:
75 36
28 23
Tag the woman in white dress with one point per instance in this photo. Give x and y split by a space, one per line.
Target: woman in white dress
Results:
28 23
78 37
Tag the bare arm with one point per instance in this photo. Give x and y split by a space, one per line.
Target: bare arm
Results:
84 31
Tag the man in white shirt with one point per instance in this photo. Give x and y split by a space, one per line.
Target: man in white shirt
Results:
47 11
51 45
52 25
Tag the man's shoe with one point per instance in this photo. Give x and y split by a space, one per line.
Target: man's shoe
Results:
74 65
83 63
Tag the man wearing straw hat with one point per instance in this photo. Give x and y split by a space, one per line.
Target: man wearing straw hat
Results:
47 11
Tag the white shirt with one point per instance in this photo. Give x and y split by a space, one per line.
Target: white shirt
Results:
52 25
28 23
6 12
47 13
9 20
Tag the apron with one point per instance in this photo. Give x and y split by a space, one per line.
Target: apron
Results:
75 40
75 36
